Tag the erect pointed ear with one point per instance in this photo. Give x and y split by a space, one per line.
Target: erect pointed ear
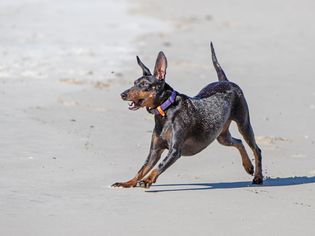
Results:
145 70
160 66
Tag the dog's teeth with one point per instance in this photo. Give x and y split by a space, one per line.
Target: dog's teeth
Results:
131 105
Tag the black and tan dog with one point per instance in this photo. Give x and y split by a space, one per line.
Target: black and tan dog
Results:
186 125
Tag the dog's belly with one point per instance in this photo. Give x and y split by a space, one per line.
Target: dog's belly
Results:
192 146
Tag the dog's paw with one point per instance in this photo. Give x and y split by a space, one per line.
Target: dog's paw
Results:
144 184
258 180
128 184
151 179
117 184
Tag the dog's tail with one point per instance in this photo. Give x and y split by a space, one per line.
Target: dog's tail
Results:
220 72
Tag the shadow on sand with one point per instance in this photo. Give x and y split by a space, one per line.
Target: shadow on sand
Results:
271 182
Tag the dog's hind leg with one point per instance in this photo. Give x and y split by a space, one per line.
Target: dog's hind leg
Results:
241 117
226 139
246 130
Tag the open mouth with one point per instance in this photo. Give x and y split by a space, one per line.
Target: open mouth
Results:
135 105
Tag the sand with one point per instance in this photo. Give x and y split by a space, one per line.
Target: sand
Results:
66 136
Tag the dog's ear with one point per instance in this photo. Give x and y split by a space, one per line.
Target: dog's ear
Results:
160 66
146 71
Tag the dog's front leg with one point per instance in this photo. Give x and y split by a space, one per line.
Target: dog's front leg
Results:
171 157
154 156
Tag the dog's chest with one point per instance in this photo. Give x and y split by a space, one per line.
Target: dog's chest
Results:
166 133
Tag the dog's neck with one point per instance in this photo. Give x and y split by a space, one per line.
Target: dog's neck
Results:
165 94
164 97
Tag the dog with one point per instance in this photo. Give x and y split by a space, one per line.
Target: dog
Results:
186 125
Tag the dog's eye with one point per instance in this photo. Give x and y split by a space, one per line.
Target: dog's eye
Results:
144 84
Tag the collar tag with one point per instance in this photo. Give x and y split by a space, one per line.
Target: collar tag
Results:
160 110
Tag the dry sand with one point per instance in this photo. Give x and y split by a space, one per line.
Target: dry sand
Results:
66 135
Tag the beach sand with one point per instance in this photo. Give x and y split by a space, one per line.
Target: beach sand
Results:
66 135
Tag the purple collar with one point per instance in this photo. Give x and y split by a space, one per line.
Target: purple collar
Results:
160 110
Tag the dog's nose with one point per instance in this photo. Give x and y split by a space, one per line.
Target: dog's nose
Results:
123 95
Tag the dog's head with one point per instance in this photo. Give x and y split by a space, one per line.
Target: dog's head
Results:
148 87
